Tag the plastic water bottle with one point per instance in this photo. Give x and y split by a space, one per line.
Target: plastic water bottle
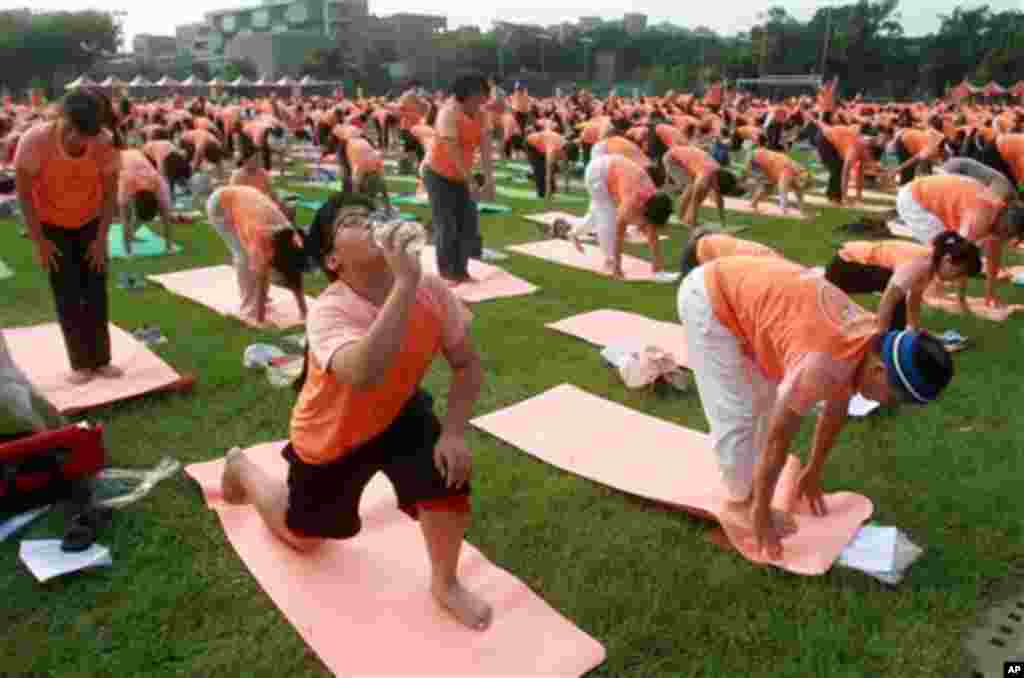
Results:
385 223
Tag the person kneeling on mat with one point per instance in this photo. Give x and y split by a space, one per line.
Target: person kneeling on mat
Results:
264 245
371 337
767 340
622 193
706 246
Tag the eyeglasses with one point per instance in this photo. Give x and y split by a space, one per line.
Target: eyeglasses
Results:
348 219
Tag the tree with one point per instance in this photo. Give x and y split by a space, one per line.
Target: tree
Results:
53 44
234 68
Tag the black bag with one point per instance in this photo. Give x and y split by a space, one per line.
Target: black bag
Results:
6 184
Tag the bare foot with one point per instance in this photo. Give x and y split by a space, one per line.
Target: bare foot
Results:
78 377
110 372
469 609
231 487
578 243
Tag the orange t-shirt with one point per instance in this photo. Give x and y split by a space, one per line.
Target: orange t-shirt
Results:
520 101
883 253
424 134
439 159
1011 148
799 330
626 148
918 141
669 135
331 417
628 183
845 139
775 165
363 157
546 142
256 130
717 245
591 132
137 176
157 151
258 179
695 161
67 192
953 198
255 218
409 113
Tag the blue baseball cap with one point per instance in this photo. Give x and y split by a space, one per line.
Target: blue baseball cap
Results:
903 362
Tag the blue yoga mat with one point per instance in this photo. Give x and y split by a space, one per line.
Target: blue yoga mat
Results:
146 243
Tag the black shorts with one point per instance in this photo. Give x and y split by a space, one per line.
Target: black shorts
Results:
323 499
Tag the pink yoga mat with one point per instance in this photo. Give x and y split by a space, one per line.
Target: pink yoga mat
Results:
647 457
363 604
40 352
564 252
976 304
822 201
217 288
608 327
768 208
492 282
548 218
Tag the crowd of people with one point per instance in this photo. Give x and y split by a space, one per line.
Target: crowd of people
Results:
768 339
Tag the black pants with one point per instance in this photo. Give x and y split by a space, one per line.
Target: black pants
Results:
587 148
774 134
80 294
831 159
323 499
539 165
854 278
456 224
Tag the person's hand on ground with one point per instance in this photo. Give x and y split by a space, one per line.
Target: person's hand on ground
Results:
809 487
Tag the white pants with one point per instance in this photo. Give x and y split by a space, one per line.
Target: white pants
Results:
599 150
248 282
737 398
602 213
923 225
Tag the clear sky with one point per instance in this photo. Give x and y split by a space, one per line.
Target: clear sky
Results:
919 16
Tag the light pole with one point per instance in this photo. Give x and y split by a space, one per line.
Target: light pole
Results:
543 37
587 42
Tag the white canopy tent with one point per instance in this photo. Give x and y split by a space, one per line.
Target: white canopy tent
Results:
81 81
193 81
139 81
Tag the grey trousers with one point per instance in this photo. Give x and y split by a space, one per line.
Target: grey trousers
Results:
456 224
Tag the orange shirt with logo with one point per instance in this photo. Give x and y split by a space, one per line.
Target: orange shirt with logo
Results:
775 165
363 157
888 254
798 329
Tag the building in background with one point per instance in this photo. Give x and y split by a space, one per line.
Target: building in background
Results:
634 23
589 23
151 48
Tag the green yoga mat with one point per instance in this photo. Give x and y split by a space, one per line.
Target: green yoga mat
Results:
528 194
146 243
5 272
483 207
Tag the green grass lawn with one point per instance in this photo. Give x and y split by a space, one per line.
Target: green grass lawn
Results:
641 579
